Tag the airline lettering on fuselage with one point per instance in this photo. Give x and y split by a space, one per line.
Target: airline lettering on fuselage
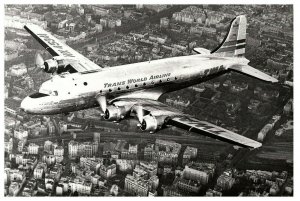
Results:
55 44
136 80
130 81
152 77
202 125
114 84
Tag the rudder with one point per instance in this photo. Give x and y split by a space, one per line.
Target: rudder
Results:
234 43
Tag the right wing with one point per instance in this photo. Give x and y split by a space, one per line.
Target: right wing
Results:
186 122
58 49
211 130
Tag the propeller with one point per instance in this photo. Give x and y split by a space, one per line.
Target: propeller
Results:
139 113
39 61
102 102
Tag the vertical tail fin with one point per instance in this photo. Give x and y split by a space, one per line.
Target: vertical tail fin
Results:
234 43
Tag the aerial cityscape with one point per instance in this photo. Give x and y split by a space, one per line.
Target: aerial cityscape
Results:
81 154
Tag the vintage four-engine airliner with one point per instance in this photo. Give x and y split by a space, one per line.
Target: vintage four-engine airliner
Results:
134 89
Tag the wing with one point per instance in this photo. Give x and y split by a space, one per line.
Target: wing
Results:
186 122
58 49
211 130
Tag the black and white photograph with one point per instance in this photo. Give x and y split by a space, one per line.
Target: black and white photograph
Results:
148 100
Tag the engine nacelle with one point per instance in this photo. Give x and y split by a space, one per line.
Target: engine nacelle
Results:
114 113
53 65
152 123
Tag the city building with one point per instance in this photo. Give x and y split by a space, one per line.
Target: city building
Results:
149 167
16 175
211 192
39 170
164 22
18 70
189 153
225 181
125 165
114 190
80 10
18 22
136 186
187 185
49 159
80 185
58 153
164 151
14 188
108 171
99 27
103 22
155 7
91 163
171 191
111 23
62 24
199 172
8 146
51 128
73 148
72 27
118 22
98 10
48 146
33 148
20 134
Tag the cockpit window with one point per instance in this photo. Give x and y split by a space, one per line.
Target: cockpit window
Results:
38 95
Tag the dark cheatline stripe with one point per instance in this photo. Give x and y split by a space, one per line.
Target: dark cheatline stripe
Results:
235 42
226 49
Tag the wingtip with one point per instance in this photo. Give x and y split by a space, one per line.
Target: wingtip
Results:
274 80
256 145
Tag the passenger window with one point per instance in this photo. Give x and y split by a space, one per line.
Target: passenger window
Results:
54 93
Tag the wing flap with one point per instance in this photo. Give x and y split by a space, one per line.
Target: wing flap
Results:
211 130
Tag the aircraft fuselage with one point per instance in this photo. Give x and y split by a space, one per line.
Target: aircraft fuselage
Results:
77 91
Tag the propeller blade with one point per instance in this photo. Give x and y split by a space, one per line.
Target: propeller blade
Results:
39 61
139 113
102 102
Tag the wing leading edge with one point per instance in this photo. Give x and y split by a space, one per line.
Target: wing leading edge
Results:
58 49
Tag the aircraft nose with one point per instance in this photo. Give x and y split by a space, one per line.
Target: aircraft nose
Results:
25 104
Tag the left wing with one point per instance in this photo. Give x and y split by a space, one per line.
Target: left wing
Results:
166 115
58 49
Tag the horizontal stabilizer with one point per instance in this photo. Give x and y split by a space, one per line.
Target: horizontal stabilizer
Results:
248 70
202 51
